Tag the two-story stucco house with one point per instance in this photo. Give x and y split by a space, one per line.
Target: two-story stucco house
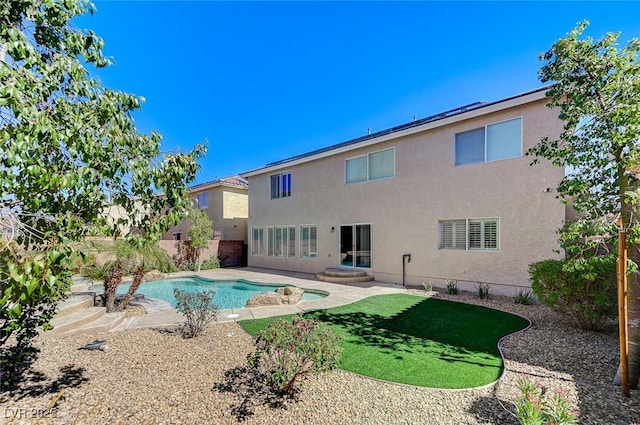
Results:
454 190
227 203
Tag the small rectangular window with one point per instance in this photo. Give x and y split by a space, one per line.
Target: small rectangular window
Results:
453 234
203 200
382 164
281 241
281 185
500 140
469 234
470 147
504 140
308 242
373 166
257 241
357 170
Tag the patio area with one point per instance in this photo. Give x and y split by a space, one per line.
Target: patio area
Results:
163 314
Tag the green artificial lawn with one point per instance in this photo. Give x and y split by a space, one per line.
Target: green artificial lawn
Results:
415 340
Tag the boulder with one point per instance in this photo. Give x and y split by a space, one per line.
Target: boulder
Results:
291 294
268 298
152 275
288 295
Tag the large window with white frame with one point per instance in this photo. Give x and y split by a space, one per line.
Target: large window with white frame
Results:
257 241
281 241
308 242
492 142
281 185
480 234
372 166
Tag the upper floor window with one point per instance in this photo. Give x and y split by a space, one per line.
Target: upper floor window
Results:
202 200
281 185
373 166
489 143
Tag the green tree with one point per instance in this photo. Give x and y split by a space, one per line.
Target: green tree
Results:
201 230
69 149
137 260
596 87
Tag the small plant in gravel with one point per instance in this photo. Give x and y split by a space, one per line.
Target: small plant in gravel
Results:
197 308
483 290
452 286
525 297
428 286
534 408
290 351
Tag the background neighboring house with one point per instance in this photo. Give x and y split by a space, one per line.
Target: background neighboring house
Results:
453 190
227 203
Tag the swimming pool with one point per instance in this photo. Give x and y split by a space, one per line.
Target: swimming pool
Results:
229 294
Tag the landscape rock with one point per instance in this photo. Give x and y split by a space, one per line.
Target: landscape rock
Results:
268 298
288 295
291 294
97 344
152 275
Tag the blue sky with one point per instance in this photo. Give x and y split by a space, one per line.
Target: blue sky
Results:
264 81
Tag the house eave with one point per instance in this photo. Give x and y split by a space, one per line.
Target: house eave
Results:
485 109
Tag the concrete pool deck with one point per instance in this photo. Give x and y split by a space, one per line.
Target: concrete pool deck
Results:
163 314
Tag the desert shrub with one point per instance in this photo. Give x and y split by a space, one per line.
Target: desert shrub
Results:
211 263
483 290
532 407
582 288
197 308
525 297
287 352
452 286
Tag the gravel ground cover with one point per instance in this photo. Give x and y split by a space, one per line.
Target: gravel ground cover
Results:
154 376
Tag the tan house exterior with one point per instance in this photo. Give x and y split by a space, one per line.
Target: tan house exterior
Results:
227 204
455 191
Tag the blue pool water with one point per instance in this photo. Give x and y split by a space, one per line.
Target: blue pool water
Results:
229 294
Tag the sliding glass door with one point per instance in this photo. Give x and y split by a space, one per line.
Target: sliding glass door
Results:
355 245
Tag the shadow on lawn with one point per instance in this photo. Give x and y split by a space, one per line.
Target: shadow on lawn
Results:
429 325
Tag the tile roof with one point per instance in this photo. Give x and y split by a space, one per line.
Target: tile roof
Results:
232 181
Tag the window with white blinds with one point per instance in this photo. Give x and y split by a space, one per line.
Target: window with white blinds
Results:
308 242
453 234
500 140
504 140
469 234
281 241
357 170
373 166
257 241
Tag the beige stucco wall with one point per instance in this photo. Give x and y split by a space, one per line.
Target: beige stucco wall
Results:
405 210
228 209
235 213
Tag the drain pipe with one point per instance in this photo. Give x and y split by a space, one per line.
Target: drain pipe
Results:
408 258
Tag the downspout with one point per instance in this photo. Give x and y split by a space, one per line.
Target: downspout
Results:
404 272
